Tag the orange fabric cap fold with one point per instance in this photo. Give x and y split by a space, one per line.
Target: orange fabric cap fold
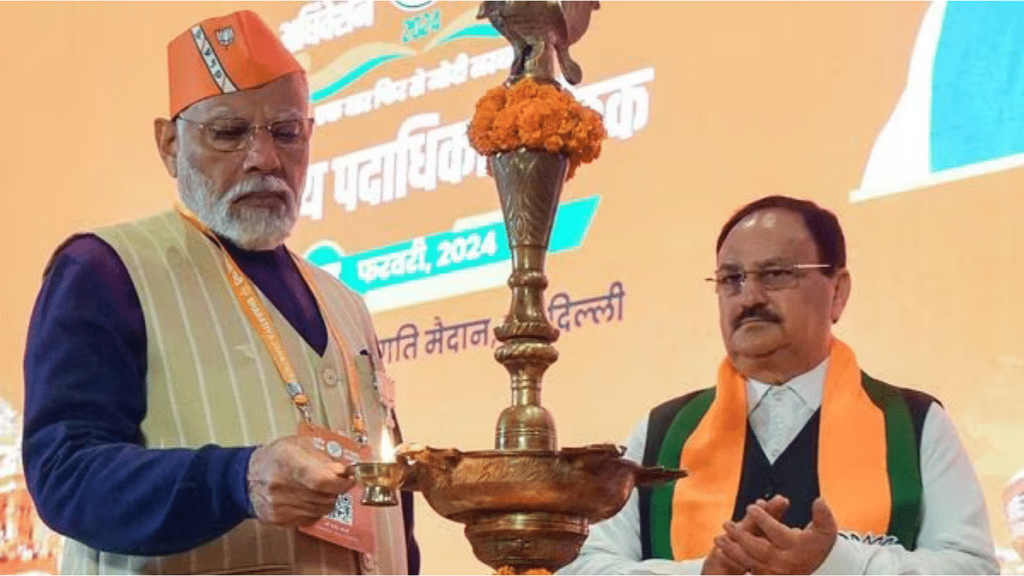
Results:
222 55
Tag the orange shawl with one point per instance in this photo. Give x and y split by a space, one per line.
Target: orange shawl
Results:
851 458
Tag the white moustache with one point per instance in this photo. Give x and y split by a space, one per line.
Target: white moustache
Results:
273 184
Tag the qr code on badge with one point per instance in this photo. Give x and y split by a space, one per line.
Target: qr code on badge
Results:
342 510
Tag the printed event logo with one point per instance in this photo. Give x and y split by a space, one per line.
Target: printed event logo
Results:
318 22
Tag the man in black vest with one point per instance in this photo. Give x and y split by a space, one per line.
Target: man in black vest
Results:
799 461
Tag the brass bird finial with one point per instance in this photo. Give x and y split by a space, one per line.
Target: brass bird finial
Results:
539 31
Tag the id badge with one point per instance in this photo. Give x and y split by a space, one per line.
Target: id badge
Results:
350 524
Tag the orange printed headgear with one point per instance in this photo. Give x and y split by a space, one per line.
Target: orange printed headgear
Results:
222 55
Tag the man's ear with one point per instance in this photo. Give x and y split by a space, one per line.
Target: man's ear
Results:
166 134
842 295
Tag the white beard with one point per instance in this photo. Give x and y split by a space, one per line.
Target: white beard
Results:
248 227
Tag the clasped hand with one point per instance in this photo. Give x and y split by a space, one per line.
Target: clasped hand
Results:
761 544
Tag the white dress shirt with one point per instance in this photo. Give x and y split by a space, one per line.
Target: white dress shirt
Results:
778 413
955 537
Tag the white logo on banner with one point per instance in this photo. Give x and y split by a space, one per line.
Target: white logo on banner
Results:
325 20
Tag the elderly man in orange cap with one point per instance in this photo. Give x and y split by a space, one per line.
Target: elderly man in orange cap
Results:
184 372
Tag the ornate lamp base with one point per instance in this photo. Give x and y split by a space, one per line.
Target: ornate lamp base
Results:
528 509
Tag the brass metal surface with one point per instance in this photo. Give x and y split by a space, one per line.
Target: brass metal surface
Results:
525 504
524 508
540 33
529 187
380 481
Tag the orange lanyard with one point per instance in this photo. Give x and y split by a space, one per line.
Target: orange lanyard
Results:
250 302
351 373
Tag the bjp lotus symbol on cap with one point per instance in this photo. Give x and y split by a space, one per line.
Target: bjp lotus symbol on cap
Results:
225 36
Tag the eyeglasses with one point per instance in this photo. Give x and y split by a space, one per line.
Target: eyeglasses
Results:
230 135
776 277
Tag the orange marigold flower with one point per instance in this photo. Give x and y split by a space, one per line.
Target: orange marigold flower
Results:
537 116
553 143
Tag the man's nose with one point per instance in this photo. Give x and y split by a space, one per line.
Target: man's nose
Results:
752 292
262 154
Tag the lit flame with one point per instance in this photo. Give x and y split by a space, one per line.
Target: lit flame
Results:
387 446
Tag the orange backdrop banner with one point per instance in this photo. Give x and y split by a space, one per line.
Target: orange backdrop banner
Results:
707 106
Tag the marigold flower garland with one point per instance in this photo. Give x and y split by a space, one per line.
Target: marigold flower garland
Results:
537 116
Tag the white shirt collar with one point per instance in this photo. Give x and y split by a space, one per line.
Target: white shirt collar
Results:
807 386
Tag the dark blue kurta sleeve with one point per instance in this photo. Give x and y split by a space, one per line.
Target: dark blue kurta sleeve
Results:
85 398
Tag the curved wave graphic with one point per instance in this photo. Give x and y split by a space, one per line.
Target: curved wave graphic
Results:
352 65
350 77
324 253
475 31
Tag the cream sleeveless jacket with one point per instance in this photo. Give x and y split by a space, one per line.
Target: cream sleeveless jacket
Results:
211 380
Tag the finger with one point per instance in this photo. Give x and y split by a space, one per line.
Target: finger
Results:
777 506
315 505
735 554
717 563
754 546
299 501
322 477
307 521
319 511
288 515
340 469
303 510
341 480
747 522
305 518
343 484
317 500
730 567
776 532
822 520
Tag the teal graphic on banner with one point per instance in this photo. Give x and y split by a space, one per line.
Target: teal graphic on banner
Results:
474 31
352 75
413 28
445 252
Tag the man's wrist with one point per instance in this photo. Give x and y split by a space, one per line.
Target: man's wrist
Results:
240 485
